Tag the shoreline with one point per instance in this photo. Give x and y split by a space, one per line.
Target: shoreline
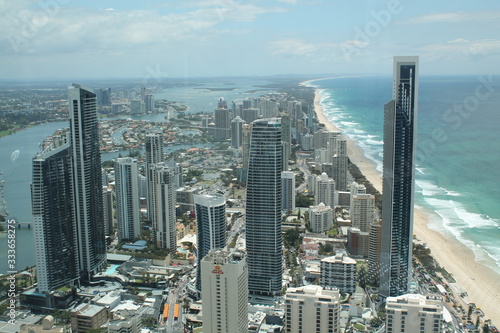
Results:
480 282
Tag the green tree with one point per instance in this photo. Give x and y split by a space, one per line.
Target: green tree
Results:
149 322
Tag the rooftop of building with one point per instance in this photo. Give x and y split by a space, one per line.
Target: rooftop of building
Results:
415 299
339 258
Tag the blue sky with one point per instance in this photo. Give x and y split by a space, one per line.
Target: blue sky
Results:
137 38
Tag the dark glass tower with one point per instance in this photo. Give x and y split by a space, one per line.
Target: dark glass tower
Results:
400 121
87 180
210 226
53 218
263 211
154 155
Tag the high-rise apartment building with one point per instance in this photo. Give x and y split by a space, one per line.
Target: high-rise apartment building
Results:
320 218
149 102
164 218
414 313
225 292
222 122
107 202
210 226
87 180
324 190
53 217
400 119
312 309
263 211
340 164
237 132
154 154
288 191
362 211
127 198
339 271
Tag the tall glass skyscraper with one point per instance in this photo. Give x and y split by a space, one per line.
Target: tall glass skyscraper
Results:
87 180
263 211
154 154
53 219
210 226
400 121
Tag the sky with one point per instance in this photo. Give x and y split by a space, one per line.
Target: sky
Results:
190 38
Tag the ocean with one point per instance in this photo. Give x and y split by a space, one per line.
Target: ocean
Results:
458 149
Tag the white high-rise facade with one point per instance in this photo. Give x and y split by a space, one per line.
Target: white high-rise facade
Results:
339 271
225 292
320 218
127 198
324 190
164 218
414 313
363 211
312 309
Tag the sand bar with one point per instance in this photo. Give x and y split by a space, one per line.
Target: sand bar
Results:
480 282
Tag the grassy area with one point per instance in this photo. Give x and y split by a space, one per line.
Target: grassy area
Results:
12 131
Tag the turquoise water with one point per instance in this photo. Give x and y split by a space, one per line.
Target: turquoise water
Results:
458 149
112 269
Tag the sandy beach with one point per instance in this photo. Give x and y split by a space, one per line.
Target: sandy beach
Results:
480 282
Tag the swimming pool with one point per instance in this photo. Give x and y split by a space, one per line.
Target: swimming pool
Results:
112 270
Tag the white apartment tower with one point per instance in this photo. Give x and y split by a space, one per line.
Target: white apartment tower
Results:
414 313
312 309
225 292
324 190
127 198
362 211
339 271
320 218
164 218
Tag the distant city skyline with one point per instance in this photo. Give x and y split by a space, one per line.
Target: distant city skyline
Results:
156 39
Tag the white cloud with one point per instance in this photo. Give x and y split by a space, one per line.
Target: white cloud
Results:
458 48
455 17
66 30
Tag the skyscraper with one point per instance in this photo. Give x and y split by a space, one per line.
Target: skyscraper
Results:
222 121
236 132
127 198
87 180
154 154
400 120
225 292
288 191
164 217
263 211
53 219
210 226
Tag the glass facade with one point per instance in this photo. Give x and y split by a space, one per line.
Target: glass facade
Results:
263 210
399 179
